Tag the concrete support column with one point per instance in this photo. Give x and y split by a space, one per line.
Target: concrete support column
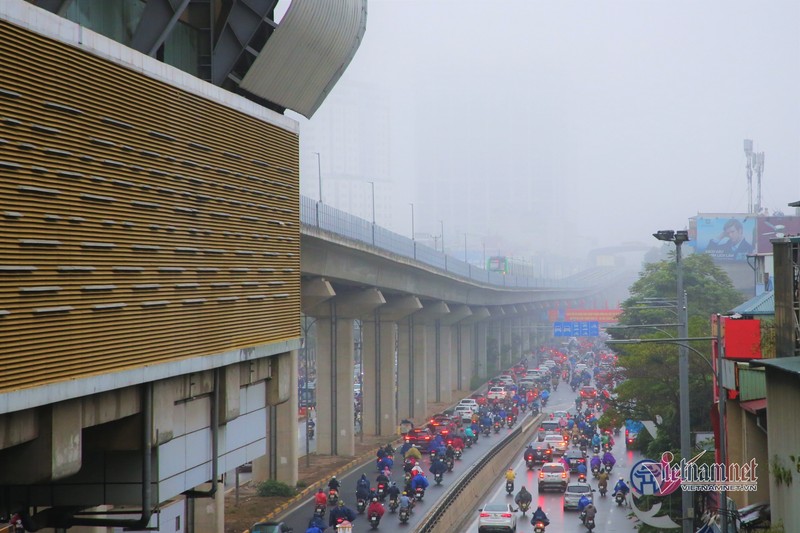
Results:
433 360
285 451
377 353
335 363
466 336
419 390
446 362
405 366
208 514
480 349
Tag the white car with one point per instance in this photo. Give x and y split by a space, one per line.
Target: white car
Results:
463 411
553 475
556 442
497 517
496 393
470 402
574 493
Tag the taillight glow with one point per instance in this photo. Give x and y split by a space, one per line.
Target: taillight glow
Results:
541 475
484 515
563 475
506 515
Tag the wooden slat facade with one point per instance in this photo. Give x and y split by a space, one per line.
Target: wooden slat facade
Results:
138 223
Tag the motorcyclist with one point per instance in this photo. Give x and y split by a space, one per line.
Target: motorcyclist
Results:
375 508
405 502
341 511
589 512
362 492
510 475
458 443
528 453
320 498
595 462
415 453
583 502
334 484
602 480
393 491
545 396
469 433
389 449
581 469
381 453
608 459
362 483
438 467
450 452
523 496
385 463
621 486
596 440
539 516
316 525
419 481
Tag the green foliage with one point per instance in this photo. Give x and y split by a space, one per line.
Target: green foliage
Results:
272 487
781 473
651 387
768 338
301 484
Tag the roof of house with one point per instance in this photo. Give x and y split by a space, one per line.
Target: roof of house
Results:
763 304
786 364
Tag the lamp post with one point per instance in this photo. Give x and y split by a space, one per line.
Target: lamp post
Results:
319 176
441 223
372 183
680 237
412 221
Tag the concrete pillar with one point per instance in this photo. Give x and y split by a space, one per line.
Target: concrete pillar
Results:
377 354
208 514
437 364
433 360
405 358
466 335
419 374
480 349
285 451
335 363
446 362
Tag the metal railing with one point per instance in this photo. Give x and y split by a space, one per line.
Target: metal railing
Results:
328 218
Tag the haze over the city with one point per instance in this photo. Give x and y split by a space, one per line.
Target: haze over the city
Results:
559 126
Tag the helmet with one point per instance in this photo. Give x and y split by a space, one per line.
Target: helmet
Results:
341 503
334 477
374 499
405 493
394 484
320 489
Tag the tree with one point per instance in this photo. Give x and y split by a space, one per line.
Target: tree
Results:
651 391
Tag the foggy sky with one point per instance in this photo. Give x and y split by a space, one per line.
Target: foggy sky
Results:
583 122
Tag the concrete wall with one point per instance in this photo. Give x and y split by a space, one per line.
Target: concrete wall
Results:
783 395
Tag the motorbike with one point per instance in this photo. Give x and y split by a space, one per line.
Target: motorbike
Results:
509 487
510 421
603 490
619 497
433 454
310 431
529 462
497 427
596 449
524 506
419 494
319 511
539 527
468 442
381 491
609 467
607 447
438 477
616 432
544 402
361 506
486 431
450 463
333 497
393 504
458 453
589 523
404 515
374 520
581 478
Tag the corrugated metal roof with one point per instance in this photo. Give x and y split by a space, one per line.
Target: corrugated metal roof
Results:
763 304
787 364
307 53
754 406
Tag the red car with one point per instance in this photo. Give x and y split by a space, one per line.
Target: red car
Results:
418 436
588 393
442 425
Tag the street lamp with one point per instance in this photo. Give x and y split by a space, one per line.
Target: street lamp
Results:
680 237
412 221
372 183
319 176
441 222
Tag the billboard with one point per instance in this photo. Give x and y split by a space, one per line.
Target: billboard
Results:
726 238
774 228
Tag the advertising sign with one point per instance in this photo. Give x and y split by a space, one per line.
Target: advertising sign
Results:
576 329
774 228
606 316
726 238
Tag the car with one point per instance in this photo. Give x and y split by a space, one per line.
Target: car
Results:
441 425
496 393
418 436
553 475
548 426
497 517
542 453
508 380
574 492
575 457
588 392
471 402
271 527
580 367
464 412
534 373
557 442
557 415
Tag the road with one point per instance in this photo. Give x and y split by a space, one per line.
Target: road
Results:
298 517
610 517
